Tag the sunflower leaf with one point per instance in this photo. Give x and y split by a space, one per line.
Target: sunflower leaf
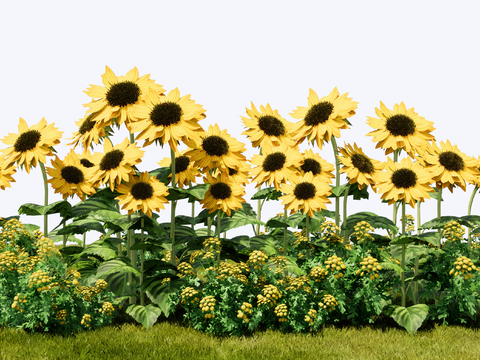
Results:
268 193
378 222
238 219
63 207
81 227
292 221
411 318
438 223
145 315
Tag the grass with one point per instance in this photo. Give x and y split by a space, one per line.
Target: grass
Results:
170 339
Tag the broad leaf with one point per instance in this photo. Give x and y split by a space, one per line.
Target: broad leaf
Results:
411 318
378 222
159 293
238 219
268 193
145 315
63 207
81 226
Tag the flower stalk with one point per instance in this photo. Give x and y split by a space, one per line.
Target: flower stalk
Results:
337 182
470 203
45 203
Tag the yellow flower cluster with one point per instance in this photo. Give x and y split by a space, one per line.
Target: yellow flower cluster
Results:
88 292
246 308
235 270
464 266
292 284
185 269
165 280
453 231
257 259
395 260
328 230
328 302
7 261
212 244
207 304
187 294
168 257
312 314
270 295
361 231
369 264
318 273
281 311
194 255
21 300
334 263
107 308
302 241
62 316
280 262
86 319
39 278
409 223
45 246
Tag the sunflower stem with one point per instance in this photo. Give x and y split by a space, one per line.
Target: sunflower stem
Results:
45 186
307 232
470 203
418 217
345 198
193 205
395 207
119 236
174 203
84 239
209 226
337 182
285 239
404 248
132 138
219 216
142 293
439 202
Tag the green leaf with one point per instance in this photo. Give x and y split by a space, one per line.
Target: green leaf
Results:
432 237
264 243
81 226
434 195
410 318
268 193
159 293
63 207
472 219
238 219
402 239
291 221
93 204
145 315
105 252
378 222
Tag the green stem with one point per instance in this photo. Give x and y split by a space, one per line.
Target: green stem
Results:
285 239
418 217
84 239
119 236
395 208
345 198
307 232
45 186
132 138
219 216
470 203
209 226
174 203
417 258
404 248
259 209
142 294
337 182
439 202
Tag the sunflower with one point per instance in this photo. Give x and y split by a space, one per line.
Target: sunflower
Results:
32 144
449 166
116 98
223 194
6 172
88 132
240 176
277 165
185 171
400 128
86 160
404 181
359 167
216 149
115 164
323 118
317 166
142 193
70 176
267 128
307 193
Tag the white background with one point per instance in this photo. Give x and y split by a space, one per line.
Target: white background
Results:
227 54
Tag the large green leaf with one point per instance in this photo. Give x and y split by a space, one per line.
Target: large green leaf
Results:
93 204
339 191
159 293
402 240
81 227
238 219
194 193
268 193
145 315
472 219
432 237
118 264
291 221
378 222
264 243
411 318
438 223
63 207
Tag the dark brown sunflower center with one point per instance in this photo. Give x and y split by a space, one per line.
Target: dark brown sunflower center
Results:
400 125
304 191
87 163
215 146
142 191
72 174
362 163
318 113
111 160
232 172
451 161
181 164
311 165
123 93
166 114
220 191
271 125
404 178
87 125
27 141
274 162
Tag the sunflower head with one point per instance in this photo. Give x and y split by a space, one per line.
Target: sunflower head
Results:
223 194
317 166
185 171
